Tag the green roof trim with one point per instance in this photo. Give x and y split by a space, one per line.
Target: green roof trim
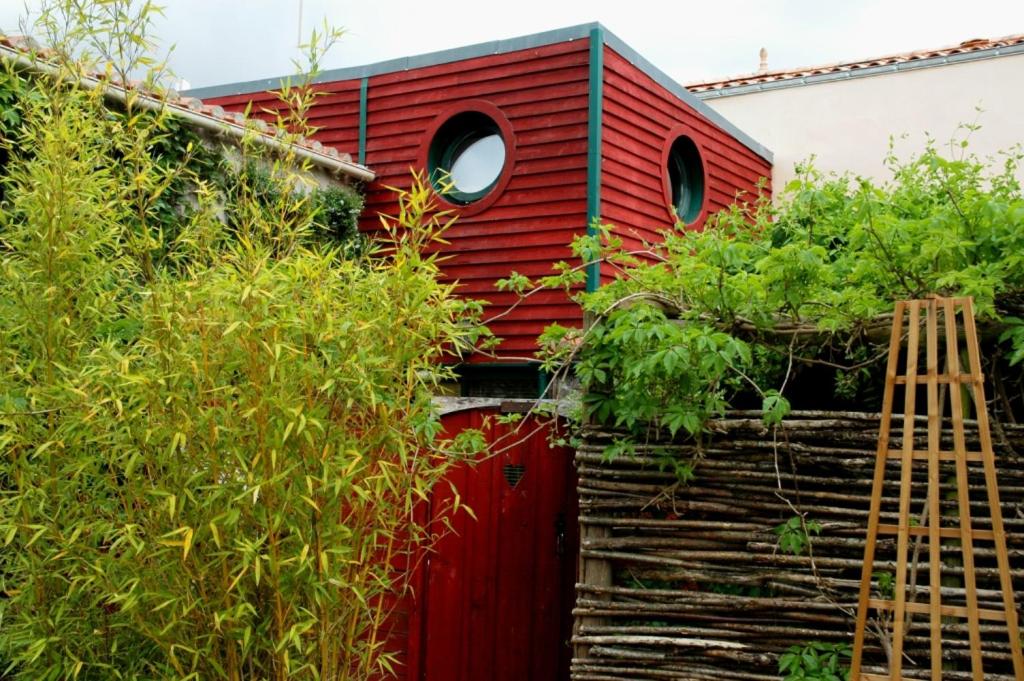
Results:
498 47
670 84
527 42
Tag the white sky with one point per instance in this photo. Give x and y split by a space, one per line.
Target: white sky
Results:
223 41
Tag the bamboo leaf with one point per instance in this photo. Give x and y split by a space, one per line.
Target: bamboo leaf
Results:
215 533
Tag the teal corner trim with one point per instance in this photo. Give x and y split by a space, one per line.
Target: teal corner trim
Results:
364 87
594 124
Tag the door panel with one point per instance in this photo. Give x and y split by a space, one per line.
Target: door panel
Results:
497 592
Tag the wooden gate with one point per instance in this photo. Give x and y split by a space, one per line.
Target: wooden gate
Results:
496 595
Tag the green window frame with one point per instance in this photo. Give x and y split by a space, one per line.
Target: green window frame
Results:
686 179
452 139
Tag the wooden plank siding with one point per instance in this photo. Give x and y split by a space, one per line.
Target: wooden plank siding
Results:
639 115
543 93
335 115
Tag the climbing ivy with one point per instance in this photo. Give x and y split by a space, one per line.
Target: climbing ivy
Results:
337 213
11 88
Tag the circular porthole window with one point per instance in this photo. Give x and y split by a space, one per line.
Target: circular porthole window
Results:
467 157
685 179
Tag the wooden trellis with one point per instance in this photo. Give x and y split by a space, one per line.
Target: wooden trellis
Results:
928 312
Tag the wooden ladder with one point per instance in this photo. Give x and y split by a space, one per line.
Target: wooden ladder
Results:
931 309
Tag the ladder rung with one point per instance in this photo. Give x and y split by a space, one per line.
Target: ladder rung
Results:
921 379
922 455
945 610
945 532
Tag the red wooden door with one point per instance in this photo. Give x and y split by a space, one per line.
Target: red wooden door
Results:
498 590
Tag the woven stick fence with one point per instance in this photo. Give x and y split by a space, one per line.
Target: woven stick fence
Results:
688 581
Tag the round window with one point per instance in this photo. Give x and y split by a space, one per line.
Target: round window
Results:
686 179
467 156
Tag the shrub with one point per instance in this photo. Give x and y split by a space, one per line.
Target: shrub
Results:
337 212
779 303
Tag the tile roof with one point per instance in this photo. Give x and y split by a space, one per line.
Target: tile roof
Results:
852 67
194 110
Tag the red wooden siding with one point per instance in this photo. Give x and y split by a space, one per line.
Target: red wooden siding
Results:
335 115
543 93
639 117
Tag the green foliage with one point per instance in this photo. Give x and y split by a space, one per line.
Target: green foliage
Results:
816 661
640 367
332 211
774 406
213 438
767 292
665 459
12 88
1014 333
668 461
886 583
162 175
185 173
795 534
515 282
337 213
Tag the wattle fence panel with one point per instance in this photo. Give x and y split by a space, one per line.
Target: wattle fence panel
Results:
688 580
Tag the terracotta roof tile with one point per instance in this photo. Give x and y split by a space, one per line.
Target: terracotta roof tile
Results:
967 46
192 105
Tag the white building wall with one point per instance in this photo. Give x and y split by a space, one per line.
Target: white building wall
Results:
847 124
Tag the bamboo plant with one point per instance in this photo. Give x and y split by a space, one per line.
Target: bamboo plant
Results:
215 440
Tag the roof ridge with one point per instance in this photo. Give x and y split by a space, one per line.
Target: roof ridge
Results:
752 78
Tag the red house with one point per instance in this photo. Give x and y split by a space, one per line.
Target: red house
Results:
540 135
534 138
